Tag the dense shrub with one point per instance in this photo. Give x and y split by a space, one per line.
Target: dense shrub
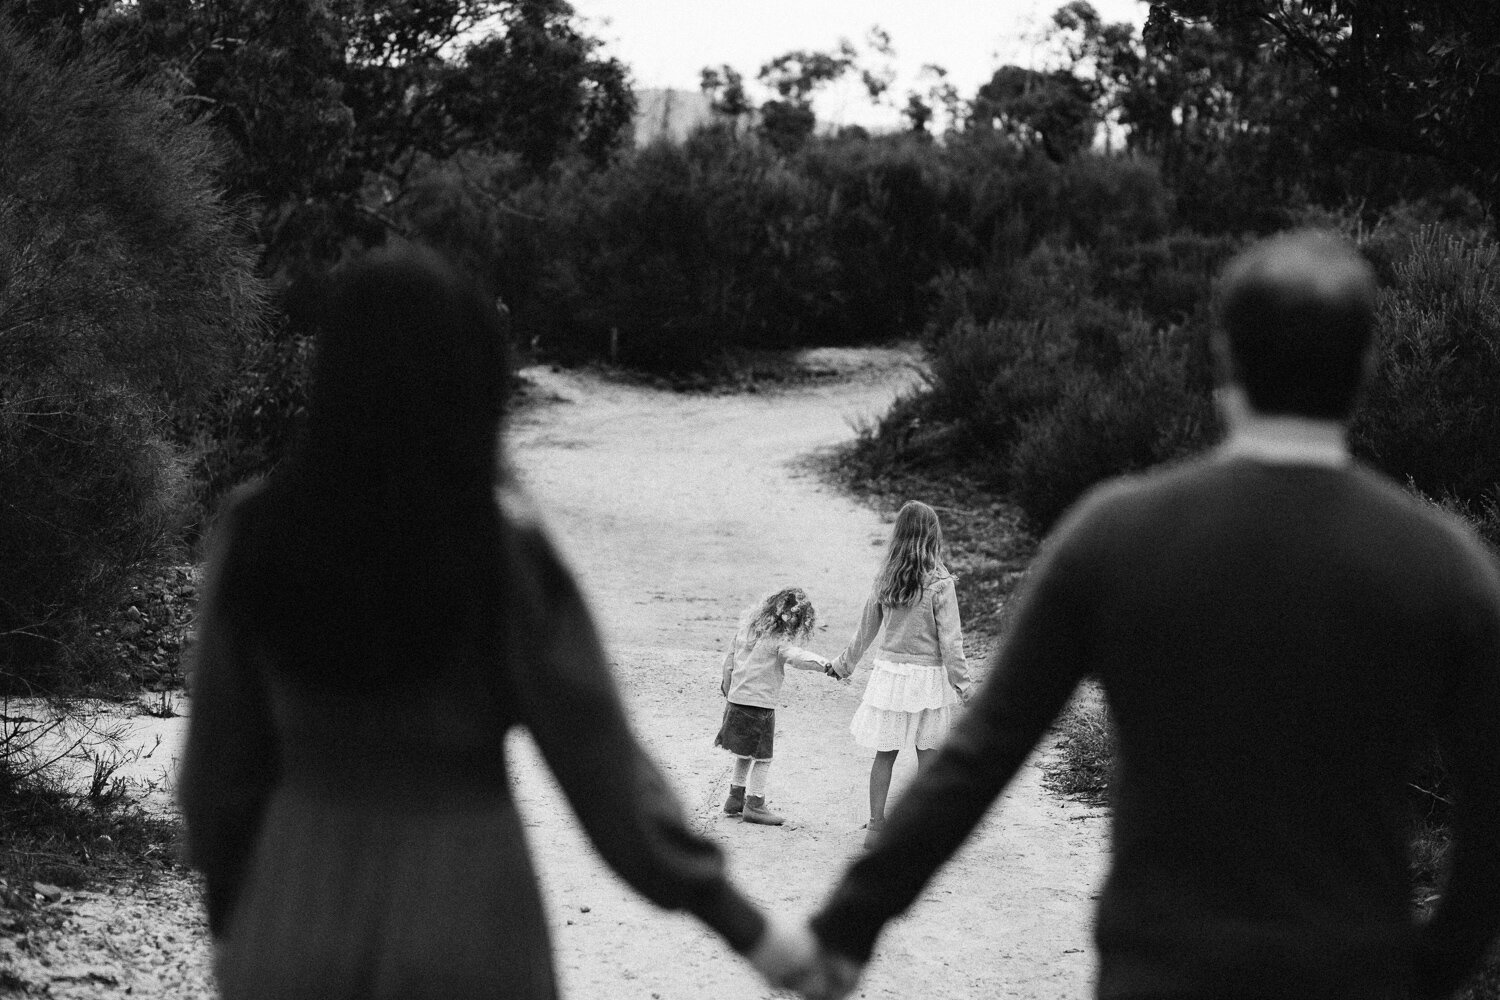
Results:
125 285
1067 366
1169 280
670 257
991 378
898 213
1061 385
1432 415
251 425
1145 410
676 254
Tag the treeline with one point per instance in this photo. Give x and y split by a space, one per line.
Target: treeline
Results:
173 175
1052 238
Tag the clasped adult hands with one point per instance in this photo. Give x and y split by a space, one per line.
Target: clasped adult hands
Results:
789 956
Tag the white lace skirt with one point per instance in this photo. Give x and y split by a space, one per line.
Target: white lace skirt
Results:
905 704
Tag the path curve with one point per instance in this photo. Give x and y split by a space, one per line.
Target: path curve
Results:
676 511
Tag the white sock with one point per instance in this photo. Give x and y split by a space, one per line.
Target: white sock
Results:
741 771
758 776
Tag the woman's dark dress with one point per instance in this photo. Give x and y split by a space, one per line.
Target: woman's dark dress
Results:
366 844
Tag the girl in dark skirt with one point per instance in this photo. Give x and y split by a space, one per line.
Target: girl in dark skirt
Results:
754 668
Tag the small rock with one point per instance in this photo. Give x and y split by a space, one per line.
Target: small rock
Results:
133 613
583 909
47 891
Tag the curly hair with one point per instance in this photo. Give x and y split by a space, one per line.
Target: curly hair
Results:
787 612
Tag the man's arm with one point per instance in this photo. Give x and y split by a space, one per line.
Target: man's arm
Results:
1467 917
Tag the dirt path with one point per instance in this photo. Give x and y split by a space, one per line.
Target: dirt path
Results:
676 511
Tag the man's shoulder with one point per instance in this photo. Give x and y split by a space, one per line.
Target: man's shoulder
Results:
1142 493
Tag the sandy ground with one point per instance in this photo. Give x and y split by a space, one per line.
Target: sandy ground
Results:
676 511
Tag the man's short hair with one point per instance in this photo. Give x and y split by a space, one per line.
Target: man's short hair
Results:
1297 312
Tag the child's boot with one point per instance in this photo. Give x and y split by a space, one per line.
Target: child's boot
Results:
872 833
735 804
756 812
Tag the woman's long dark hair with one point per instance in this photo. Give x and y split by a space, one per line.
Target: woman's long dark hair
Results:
376 551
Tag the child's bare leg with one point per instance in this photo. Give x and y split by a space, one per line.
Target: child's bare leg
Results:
880 784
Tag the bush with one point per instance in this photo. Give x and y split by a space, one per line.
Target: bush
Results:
1432 415
1084 764
1064 387
125 285
991 378
673 256
1169 280
1141 412
252 425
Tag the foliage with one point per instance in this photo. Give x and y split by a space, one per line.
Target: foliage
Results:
1053 108
1432 416
1407 76
125 286
325 103
677 254
252 424
58 837
786 120
1137 413
1083 765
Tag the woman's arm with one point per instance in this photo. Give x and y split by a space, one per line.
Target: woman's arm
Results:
568 700
230 763
869 628
951 636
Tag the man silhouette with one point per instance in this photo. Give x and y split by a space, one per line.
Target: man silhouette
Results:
1279 633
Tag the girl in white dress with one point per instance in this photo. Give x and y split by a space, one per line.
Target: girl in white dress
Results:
919 671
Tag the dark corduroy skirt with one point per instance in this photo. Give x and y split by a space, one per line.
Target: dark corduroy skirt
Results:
747 731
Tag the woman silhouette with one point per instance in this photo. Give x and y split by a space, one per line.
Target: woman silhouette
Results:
375 619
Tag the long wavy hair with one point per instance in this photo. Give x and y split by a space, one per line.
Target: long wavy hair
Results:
377 549
787 613
915 552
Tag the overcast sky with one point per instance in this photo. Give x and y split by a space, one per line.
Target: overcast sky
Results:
667 42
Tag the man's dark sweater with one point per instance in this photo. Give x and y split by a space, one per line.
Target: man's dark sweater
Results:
1277 643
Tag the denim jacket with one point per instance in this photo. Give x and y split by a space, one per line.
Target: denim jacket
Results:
926 632
755 668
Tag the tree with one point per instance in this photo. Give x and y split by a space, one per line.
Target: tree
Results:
725 89
320 98
1415 77
788 119
127 288
922 108
1054 109
269 76
537 89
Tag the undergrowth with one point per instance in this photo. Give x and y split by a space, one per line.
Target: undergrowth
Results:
57 840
